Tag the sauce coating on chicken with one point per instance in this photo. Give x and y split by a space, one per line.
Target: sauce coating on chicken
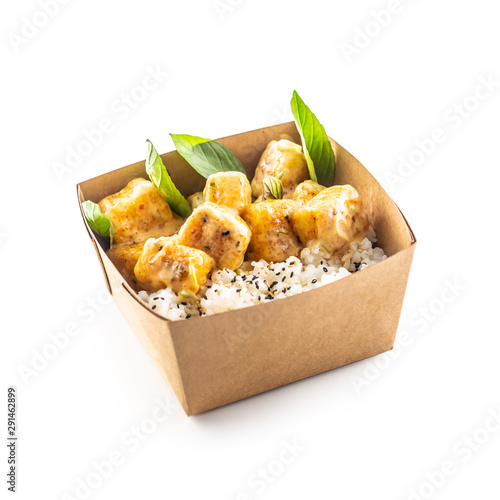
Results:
124 257
139 212
225 227
282 159
273 237
195 200
228 189
166 263
333 219
219 232
306 191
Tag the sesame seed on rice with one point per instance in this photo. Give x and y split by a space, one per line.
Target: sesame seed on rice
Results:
227 290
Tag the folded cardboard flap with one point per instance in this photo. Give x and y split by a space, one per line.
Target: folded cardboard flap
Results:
214 360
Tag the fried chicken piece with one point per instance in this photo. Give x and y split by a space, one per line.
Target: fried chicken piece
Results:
139 212
229 189
219 232
333 219
306 191
125 256
273 237
282 159
195 200
165 263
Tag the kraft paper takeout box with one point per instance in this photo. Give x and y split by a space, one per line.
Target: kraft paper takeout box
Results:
215 360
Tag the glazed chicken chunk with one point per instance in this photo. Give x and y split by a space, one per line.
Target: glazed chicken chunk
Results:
333 219
306 191
124 257
195 200
219 232
166 263
229 189
139 212
273 237
282 159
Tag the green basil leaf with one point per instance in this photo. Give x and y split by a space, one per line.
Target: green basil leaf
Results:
272 187
161 179
317 147
97 221
206 156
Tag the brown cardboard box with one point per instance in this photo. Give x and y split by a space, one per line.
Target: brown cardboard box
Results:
214 360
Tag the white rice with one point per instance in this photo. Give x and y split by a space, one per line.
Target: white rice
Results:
258 282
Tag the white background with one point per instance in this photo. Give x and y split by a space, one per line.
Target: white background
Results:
230 70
